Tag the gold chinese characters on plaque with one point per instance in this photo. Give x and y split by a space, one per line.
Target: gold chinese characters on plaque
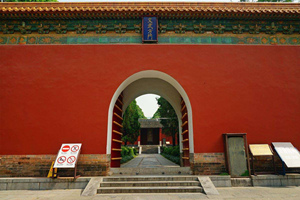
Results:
260 150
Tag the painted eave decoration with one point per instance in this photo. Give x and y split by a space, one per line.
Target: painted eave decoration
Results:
159 9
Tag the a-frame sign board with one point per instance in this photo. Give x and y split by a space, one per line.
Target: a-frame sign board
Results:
261 150
288 154
67 157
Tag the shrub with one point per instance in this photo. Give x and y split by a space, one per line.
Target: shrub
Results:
131 152
126 159
127 154
172 158
224 174
171 153
125 151
174 151
136 151
246 173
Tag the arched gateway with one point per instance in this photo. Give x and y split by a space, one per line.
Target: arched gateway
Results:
156 82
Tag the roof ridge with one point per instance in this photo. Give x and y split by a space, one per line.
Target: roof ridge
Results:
189 9
127 5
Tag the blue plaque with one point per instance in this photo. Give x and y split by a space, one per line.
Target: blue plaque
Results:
150 29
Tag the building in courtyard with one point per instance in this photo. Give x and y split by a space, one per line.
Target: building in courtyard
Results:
69 70
151 133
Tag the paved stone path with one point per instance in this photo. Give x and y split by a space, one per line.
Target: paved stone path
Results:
238 193
149 161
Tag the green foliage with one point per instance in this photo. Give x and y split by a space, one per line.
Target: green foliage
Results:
127 154
168 117
125 151
174 151
30 0
131 125
224 174
171 153
174 159
136 151
246 173
156 115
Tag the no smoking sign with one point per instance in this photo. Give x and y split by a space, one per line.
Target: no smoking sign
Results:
75 148
67 156
71 159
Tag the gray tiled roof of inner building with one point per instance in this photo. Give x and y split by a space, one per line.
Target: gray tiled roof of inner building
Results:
150 123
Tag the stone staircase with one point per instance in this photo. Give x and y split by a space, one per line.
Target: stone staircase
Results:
149 149
150 184
151 171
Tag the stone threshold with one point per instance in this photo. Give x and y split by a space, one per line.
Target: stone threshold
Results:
33 183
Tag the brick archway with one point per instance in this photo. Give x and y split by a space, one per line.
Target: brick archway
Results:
161 84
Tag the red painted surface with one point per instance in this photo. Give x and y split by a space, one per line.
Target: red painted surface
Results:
161 136
60 94
116 126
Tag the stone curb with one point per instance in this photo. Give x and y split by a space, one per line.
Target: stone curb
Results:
42 183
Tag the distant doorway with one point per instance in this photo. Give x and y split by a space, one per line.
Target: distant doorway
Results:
149 136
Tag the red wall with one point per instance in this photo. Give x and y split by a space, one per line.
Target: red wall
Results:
168 139
61 93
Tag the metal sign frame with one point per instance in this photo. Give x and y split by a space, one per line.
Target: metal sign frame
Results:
253 159
55 175
282 160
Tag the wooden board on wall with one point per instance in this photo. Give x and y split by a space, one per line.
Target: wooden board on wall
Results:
260 150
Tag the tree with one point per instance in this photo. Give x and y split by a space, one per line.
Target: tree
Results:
168 118
30 0
156 115
131 125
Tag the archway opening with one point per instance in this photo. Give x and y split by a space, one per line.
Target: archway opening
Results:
153 82
150 134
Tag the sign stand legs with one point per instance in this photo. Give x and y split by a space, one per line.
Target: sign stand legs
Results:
54 175
283 168
253 164
67 157
275 171
75 169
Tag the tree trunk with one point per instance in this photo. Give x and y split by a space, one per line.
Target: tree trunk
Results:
173 137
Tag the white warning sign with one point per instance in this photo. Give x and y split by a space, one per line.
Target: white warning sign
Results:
288 154
67 156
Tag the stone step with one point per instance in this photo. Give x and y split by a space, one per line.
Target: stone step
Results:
149 149
191 189
149 183
241 182
151 171
150 178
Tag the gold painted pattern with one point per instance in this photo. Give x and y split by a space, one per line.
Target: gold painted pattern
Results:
157 7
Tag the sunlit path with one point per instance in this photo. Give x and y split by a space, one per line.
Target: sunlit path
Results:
149 161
